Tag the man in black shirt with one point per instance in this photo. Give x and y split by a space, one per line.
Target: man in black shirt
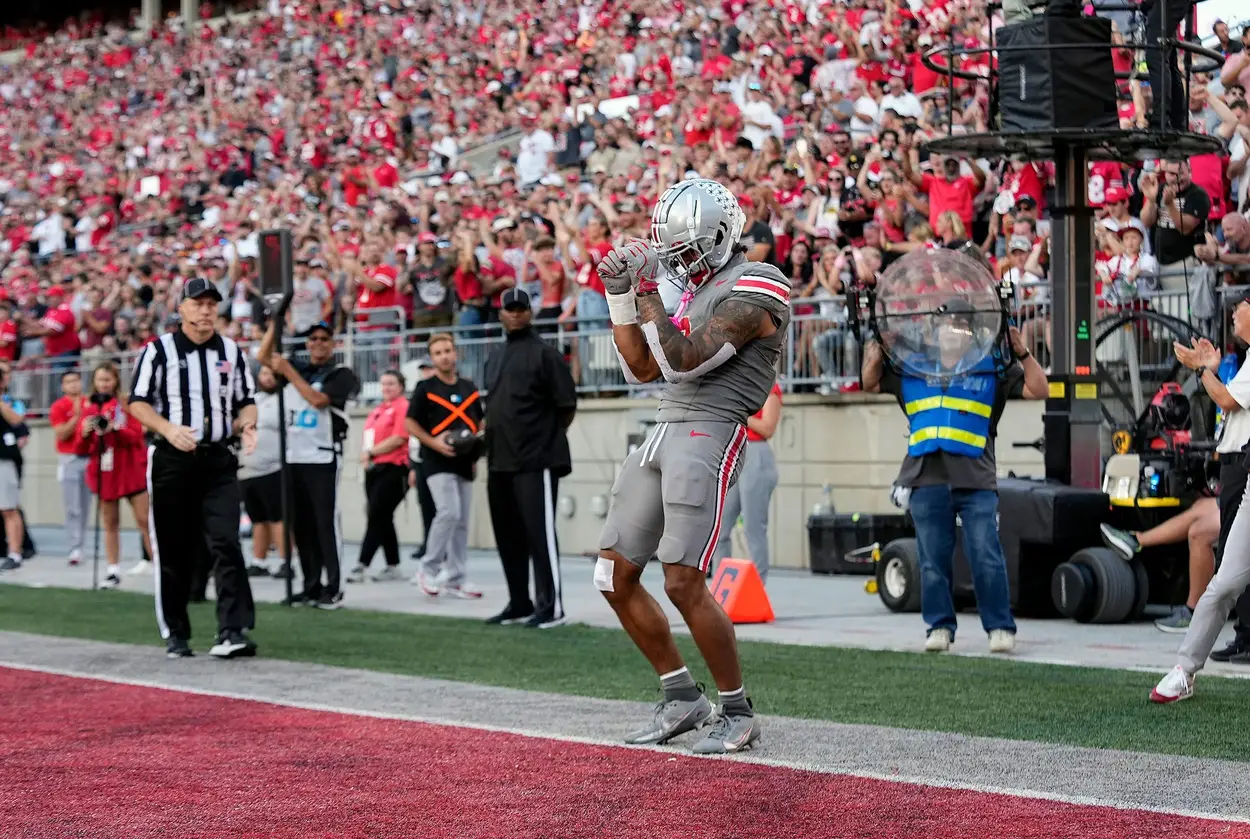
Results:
530 406
758 237
441 407
1177 211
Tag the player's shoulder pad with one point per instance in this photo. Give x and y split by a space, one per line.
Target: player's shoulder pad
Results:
762 283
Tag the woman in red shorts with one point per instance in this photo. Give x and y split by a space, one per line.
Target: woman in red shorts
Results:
117 462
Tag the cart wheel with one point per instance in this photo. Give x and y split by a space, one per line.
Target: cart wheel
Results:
1143 589
1115 584
898 576
1072 591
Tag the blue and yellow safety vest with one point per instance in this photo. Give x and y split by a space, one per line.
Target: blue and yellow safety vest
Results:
951 415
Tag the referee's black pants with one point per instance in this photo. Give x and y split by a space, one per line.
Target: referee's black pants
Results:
195 502
522 513
315 525
1232 488
386 484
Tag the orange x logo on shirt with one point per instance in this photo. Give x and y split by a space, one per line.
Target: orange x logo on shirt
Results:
457 412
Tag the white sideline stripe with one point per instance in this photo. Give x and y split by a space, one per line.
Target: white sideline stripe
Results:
156 553
1059 798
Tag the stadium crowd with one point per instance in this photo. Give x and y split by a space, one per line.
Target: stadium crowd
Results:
129 164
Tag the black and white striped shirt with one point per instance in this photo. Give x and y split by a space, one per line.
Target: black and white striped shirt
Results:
201 386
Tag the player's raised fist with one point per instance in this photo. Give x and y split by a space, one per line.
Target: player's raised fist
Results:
624 267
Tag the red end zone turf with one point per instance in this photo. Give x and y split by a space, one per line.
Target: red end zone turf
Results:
86 758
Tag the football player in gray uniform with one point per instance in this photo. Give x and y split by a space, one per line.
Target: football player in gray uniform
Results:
718 357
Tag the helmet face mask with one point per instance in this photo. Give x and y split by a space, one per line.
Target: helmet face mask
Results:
695 229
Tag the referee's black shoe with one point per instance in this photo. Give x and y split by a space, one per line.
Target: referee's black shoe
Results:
178 648
1237 652
511 615
328 601
233 644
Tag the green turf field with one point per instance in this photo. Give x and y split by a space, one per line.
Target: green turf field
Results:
997 698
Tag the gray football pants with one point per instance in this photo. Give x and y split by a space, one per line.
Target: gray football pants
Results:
750 498
1217 601
447 543
71 472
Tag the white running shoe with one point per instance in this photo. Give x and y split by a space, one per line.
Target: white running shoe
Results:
141 567
465 591
1174 687
110 582
425 583
1002 641
75 557
939 641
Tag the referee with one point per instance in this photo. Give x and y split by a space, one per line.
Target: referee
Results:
193 390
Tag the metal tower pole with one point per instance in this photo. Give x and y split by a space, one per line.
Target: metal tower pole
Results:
1072 420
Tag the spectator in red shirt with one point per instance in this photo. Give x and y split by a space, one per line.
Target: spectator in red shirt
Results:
71 466
10 338
949 192
375 290
59 330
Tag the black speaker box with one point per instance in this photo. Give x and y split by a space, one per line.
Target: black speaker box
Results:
1040 89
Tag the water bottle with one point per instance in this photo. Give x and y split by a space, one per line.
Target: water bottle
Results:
824 508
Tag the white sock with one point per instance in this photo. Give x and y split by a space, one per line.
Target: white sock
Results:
16 557
115 569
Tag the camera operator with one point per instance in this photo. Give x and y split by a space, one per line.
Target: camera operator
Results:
441 406
117 463
11 422
315 396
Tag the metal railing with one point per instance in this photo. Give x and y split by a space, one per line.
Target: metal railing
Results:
820 354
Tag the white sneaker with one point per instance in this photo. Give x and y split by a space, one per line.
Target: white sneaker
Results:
356 575
141 567
465 591
1002 641
112 581
1174 687
426 585
75 557
939 641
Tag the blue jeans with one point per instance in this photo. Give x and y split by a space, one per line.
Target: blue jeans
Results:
933 508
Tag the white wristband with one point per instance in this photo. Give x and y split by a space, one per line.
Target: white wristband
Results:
623 308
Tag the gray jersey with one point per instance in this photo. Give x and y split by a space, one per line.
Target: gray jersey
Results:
738 388
266 459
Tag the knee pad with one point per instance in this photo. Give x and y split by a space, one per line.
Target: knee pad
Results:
603 574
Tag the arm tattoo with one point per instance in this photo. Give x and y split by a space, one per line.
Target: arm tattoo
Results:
732 325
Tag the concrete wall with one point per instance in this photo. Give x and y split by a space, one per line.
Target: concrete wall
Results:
852 443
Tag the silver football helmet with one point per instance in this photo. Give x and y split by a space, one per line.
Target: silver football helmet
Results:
695 227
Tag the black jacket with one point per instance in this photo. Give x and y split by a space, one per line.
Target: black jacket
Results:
529 404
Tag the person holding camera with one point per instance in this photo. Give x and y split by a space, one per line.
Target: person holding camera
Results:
12 423
384 457
445 414
315 397
117 463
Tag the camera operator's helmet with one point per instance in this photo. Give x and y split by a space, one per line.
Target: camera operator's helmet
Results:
695 227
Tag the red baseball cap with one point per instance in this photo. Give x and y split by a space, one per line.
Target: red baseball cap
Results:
55 292
427 238
1116 194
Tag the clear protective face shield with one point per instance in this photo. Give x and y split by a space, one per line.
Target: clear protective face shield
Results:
938 313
